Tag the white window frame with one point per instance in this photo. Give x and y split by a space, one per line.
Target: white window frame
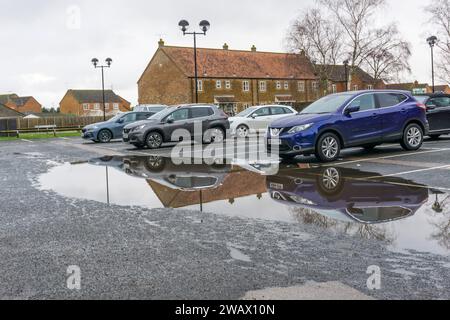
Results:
286 85
315 86
96 106
85 106
278 85
200 85
263 86
334 88
116 106
228 84
355 87
106 106
369 87
246 86
301 86
218 84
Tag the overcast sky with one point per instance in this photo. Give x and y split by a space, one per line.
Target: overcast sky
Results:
46 49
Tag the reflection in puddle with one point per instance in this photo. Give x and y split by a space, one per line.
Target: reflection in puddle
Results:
400 212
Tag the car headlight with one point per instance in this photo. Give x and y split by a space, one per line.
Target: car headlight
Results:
301 128
139 128
303 201
92 129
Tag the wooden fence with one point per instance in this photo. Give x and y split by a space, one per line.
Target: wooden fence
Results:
10 127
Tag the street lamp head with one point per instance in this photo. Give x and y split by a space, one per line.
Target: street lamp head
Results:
184 25
109 62
432 41
205 25
346 62
94 62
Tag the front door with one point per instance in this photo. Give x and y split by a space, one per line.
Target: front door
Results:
125 120
177 120
438 113
261 118
363 127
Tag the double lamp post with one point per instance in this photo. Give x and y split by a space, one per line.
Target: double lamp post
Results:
108 62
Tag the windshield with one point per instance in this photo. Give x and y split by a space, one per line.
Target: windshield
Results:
422 99
328 104
116 117
161 115
246 112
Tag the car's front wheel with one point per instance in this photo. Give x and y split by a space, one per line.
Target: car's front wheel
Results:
328 147
242 131
412 138
214 135
154 140
104 136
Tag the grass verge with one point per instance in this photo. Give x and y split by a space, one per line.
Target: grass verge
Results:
44 135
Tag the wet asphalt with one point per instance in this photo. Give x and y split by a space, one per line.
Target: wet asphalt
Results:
138 253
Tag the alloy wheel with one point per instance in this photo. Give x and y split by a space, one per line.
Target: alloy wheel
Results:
242 132
330 179
414 137
154 140
330 147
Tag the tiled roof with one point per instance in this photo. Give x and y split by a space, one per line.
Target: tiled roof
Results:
6 112
89 96
218 63
4 98
338 73
406 86
21 101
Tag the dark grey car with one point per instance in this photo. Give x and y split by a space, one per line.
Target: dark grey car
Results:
161 127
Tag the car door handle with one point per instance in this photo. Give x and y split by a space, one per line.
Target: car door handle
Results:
375 115
404 110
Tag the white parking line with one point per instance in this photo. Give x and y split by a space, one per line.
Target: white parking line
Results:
409 172
389 157
27 140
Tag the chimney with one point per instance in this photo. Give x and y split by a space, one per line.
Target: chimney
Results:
161 43
225 46
253 48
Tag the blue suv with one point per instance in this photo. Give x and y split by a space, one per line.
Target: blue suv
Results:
351 119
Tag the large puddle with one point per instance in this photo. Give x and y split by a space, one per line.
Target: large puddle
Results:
404 214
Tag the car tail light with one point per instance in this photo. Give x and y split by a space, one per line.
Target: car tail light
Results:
422 106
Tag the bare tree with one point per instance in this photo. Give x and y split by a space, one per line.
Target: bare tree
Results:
355 18
320 39
439 11
388 56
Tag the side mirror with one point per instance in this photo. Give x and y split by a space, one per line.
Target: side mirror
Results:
121 121
253 116
170 121
352 109
431 107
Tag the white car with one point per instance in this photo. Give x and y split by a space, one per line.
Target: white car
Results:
153 108
257 119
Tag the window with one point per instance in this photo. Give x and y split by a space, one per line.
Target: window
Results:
355 87
314 86
369 87
85 106
334 88
246 86
106 106
301 86
387 100
286 85
218 84
116 106
365 102
278 84
279 110
201 112
200 85
288 111
131 117
246 106
439 102
263 86
97 106
263 112
179 115
228 84
143 116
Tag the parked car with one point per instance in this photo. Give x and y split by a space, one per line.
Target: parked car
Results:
351 119
438 113
347 195
104 132
160 128
152 108
257 119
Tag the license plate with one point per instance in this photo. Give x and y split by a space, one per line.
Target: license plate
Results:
125 135
276 186
275 141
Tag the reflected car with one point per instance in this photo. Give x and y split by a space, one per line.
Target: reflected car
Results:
257 119
162 127
348 195
181 174
104 132
438 113
350 119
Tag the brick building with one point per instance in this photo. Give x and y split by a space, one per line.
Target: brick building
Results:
414 87
90 103
23 105
232 79
357 80
6 112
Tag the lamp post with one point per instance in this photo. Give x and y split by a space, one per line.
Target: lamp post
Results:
432 42
346 62
204 26
108 65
